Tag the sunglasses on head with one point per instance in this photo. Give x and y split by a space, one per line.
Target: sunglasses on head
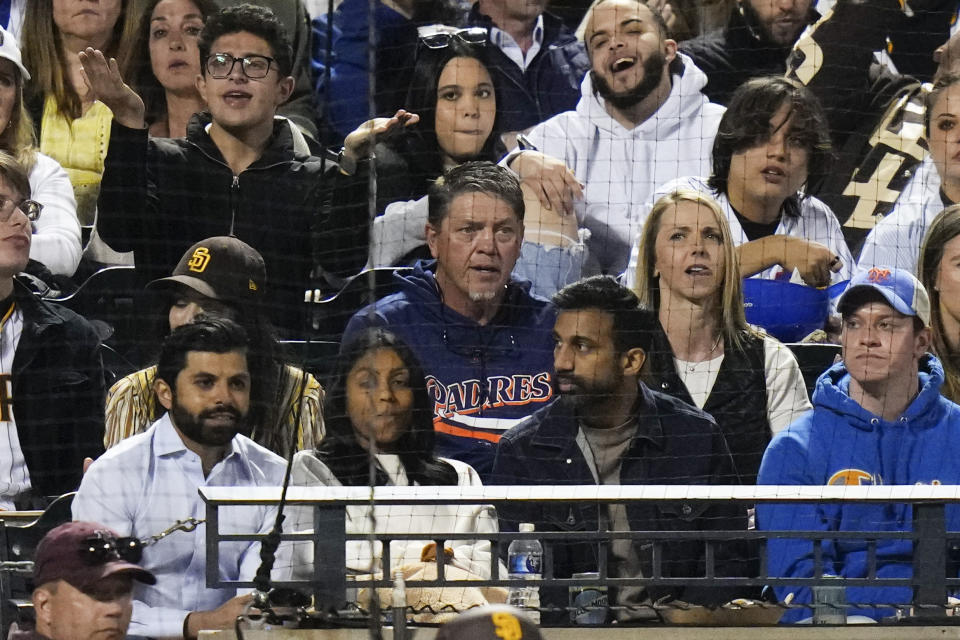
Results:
441 39
101 548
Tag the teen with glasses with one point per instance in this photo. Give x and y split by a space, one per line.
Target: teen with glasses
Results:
151 481
293 16
49 369
240 171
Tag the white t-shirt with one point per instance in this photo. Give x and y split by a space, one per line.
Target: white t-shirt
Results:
14 476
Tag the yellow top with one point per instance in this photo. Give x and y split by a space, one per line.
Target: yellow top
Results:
80 146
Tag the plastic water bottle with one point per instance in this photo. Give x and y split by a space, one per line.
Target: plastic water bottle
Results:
525 559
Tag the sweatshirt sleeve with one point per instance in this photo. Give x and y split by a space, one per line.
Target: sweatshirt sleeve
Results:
786 392
785 463
56 234
126 199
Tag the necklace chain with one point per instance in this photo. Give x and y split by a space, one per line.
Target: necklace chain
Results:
692 366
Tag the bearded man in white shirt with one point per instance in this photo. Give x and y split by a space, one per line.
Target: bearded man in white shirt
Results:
149 481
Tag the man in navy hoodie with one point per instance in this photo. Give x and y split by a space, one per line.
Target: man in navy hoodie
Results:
878 418
484 342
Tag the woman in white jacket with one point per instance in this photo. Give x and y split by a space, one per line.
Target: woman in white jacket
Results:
379 396
56 234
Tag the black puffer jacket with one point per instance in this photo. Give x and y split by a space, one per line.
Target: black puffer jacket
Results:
57 395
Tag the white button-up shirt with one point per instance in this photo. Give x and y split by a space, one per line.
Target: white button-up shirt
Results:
149 481
505 42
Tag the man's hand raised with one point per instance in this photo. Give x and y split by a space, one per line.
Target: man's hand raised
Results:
106 85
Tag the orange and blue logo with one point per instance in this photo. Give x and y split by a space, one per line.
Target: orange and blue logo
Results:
877 275
852 477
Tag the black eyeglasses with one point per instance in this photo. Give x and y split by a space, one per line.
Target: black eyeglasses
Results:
103 547
439 40
30 208
255 67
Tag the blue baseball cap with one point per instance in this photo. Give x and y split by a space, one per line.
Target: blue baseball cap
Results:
899 288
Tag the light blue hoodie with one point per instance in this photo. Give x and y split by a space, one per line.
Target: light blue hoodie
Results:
841 443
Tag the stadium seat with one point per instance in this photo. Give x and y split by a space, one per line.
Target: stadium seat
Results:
18 542
112 300
814 359
332 313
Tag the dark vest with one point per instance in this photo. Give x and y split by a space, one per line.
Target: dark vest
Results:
738 400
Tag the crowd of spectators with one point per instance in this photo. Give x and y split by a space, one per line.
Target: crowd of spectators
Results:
572 206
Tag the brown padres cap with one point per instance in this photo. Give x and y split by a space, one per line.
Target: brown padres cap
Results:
494 622
65 554
223 268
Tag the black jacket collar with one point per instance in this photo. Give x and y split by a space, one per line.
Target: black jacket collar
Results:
279 148
558 430
37 315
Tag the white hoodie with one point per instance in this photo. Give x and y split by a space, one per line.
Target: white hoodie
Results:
621 167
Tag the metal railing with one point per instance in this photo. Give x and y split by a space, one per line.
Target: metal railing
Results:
329 584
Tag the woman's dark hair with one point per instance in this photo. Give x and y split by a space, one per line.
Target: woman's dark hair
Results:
419 146
746 124
340 450
142 79
265 360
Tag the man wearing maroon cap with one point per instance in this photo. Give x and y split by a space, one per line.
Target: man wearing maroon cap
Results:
84 576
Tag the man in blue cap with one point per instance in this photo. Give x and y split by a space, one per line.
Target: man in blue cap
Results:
878 418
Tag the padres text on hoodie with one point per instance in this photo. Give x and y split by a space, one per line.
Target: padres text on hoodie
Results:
482 379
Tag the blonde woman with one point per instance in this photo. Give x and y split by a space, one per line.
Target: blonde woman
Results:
73 128
938 268
705 352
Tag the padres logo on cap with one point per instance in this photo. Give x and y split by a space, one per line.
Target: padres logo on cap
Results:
506 626
199 260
